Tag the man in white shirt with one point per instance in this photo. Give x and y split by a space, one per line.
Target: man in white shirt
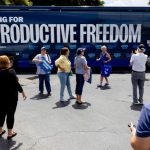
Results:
138 62
43 75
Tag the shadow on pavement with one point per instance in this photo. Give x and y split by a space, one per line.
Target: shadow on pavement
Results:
136 107
61 105
32 77
39 97
104 87
147 79
85 105
9 144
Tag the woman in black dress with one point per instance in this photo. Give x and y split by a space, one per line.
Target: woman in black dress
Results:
9 87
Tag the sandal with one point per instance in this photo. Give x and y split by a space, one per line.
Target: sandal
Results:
3 132
11 136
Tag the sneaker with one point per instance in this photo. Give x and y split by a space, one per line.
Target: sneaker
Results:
49 94
72 97
140 101
41 93
135 103
61 100
106 84
99 86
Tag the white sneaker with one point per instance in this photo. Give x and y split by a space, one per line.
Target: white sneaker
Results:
62 100
140 101
135 103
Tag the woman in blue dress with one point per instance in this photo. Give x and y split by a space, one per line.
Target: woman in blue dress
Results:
104 59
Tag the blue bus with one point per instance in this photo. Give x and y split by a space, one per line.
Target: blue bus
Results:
24 30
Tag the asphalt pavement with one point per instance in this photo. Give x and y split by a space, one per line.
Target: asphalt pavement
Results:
42 123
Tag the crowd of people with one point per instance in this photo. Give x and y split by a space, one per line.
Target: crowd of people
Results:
64 71
140 139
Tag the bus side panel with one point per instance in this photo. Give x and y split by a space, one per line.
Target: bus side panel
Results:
121 32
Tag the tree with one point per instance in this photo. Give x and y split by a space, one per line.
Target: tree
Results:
68 2
53 2
16 2
23 2
6 2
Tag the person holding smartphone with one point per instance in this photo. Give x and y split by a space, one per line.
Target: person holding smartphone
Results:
138 63
140 135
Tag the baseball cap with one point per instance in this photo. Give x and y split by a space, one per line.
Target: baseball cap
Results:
43 48
80 49
141 47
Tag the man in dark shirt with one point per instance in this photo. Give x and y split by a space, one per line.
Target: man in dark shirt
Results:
140 136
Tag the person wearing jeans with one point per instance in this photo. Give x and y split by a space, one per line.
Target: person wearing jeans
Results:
138 62
42 74
64 81
64 70
46 78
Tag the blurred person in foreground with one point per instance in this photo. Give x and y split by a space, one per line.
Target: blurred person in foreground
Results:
138 62
9 87
140 135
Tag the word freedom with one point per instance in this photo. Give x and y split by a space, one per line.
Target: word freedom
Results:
70 33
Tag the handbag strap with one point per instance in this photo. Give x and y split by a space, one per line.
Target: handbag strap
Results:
48 58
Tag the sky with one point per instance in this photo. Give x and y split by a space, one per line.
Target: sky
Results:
126 3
